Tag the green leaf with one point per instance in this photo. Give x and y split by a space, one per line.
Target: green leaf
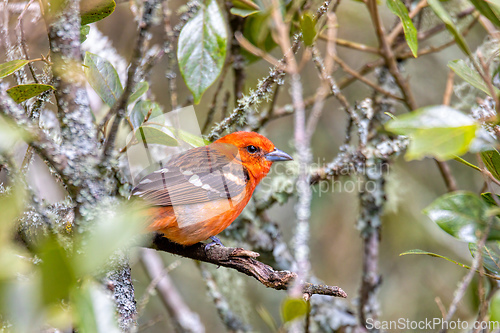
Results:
243 12
399 9
437 131
141 109
257 31
484 8
443 15
293 308
463 215
94 309
84 31
191 139
491 160
308 28
140 89
113 231
95 10
202 49
491 256
489 198
10 67
244 8
153 135
470 75
494 309
24 92
103 78
417 251
58 276
10 135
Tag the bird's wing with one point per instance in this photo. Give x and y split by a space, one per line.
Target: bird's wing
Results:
198 175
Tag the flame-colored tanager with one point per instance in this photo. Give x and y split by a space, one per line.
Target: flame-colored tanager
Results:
200 192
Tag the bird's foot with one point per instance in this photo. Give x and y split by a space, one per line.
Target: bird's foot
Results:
215 241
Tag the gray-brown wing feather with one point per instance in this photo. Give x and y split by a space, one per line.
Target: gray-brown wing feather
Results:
199 175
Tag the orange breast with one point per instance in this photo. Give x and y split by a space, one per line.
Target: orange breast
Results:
190 224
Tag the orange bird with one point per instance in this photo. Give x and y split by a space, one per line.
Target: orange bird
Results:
200 192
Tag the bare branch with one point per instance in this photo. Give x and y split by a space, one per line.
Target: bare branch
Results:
243 261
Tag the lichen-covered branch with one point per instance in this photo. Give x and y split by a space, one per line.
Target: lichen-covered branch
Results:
243 261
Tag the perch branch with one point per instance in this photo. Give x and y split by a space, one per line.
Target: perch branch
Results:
243 261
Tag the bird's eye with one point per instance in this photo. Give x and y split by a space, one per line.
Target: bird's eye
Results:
252 149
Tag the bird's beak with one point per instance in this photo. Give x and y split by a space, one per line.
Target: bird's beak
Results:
277 155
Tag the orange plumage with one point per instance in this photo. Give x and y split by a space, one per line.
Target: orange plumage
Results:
201 192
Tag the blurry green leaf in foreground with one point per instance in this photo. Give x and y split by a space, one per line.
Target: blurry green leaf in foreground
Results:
293 308
140 111
448 22
94 309
24 92
201 49
491 256
308 28
58 275
399 9
431 254
494 314
103 78
491 160
463 215
10 67
95 10
435 131
470 75
11 207
113 231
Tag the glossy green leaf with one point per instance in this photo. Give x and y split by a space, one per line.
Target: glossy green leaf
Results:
140 89
443 15
141 109
153 135
202 49
491 256
84 31
491 160
470 75
58 276
308 28
95 10
437 131
486 10
463 215
293 308
399 9
431 254
103 78
10 67
24 92
94 309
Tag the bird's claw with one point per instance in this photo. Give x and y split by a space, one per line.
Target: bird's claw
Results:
215 241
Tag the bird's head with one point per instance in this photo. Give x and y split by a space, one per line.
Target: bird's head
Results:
255 151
